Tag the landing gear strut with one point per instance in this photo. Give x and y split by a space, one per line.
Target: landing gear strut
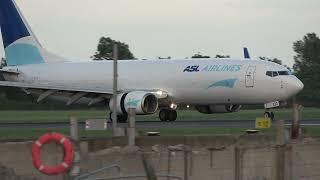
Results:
168 115
121 118
269 114
268 107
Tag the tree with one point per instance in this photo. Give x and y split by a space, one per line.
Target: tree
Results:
275 60
105 50
199 55
307 67
308 52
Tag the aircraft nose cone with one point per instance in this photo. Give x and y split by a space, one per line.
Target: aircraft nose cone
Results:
294 86
300 85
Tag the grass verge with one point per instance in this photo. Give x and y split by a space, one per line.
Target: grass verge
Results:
183 115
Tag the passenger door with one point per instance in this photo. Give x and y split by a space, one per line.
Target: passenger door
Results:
250 76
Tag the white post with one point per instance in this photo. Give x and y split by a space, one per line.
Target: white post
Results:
74 133
115 89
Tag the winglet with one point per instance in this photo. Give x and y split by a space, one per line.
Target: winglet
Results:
246 53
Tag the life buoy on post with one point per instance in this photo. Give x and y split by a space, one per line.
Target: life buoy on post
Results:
67 158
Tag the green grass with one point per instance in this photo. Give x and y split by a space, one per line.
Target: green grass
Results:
312 131
49 116
185 115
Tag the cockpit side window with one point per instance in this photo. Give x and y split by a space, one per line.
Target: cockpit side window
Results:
277 73
281 73
269 73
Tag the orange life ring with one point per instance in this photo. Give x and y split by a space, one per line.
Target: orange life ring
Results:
67 158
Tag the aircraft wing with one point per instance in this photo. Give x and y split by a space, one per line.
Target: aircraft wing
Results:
53 87
77 92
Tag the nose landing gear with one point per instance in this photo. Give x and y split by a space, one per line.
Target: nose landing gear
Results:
269 114
168 115
268 107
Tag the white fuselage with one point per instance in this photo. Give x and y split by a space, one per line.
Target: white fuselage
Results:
192 81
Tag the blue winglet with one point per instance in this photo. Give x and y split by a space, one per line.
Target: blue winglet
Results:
246 53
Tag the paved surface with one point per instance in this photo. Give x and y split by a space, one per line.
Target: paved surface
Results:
158 124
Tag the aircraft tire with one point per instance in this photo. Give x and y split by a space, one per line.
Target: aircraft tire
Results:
172 115
163 115
269 115
120 118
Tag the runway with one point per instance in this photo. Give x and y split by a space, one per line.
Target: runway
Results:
158 124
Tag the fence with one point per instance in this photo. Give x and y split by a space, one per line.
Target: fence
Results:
240 162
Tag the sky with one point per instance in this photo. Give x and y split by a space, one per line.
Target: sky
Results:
176 28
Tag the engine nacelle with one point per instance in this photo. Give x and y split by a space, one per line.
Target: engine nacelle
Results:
143 102
210 109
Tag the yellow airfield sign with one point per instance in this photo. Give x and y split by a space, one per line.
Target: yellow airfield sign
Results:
262 122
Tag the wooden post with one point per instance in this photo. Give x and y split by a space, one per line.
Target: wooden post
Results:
289 163
131 127
169 163
151 174
280 135
186 164
295 127
211 156
191 163
280 162
238 163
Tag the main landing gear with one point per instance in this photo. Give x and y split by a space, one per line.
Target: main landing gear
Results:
168 115
269 114
121 118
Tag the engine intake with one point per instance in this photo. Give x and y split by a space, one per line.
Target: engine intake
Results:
143 102
210 109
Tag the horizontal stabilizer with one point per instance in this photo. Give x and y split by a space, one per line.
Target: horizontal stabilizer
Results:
10 71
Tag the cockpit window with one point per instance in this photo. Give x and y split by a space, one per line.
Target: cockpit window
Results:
269 73
274 73
281 73
277 73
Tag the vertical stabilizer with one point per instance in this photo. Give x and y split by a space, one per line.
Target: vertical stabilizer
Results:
20 44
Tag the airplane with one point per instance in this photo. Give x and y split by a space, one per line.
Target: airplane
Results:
211 85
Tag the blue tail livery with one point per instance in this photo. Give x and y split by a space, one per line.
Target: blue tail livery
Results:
20 44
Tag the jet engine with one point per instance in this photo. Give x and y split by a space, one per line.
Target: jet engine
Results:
210 109
143 102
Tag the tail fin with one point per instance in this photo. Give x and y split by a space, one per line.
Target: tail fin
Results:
20 44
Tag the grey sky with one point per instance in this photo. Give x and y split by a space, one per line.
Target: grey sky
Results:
177 28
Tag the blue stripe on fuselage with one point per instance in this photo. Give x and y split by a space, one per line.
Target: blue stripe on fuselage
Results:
11 23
